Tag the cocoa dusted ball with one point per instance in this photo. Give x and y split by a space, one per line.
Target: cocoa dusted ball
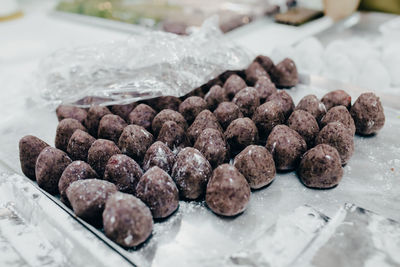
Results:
111 127
285 100
267 116
134 141
286 147
368 114
173 135
247 100
124 172
240 133
158 191
77 170
285 74
29 149
337 135
313 105
123 110
339 114
71 112
320 167
65 129
265 62
253 72
305 124
228 192
257 166
127 220
191 172
93 118
159 155
79 144
168 115
227 112
50 165
204 120
191 107
99 154
142 115
165 102
233 85
212 145
265 87
336 98
215 96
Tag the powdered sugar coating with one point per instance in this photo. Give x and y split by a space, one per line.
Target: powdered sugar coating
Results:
111 127
211 143
159 155
134 141
79 144
99 154
64 131
204 120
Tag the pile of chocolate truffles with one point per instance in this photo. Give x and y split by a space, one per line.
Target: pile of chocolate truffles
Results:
120 167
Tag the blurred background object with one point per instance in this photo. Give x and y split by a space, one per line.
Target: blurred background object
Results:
388 6
9 9
339 9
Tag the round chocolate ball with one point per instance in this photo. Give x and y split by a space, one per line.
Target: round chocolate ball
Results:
247 100
165 102
233 85
305 124
99 153
265 62
134 141
93 118
313 105
265 87
286 147
204 120
167 115
254 71
336 98
215 96
191 107
257 166
368 114
212 145
285 74
29 149
123 110
111 127
79 144
339 114
267 116
285 100
227 112
173 135
191 172
228 192
240 133
65 129
142 115
321 167
160 155
71 112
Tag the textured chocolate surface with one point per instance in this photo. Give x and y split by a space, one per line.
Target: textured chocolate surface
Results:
160 155
99 154
142 115
313 105
134 142
191 107
204 120
285 74
111 127
233 85
64 131
267 116
247 100
29 149
336 98
227 112
72 112
167 115
94 115
339 114
305 124
241 133
211 143
79 144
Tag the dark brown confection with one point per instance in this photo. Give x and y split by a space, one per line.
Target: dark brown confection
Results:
320 167
191 107
217 81
305 124
240 133
368 114
227 112
173 136
65 129
165 102
313 105
233 85
79 144
257 166
191 172
212 145
265 62
267 116
77 170
204 120
29 149
254 71
158 191
339 114
88 198
286 147
336 98
72 112
285 73
111 127
142 115
228 192
168 115
123 110
124 172
93 118
225 75
50 165
215 96
338 136
134 141
127 220
265 87
159 155
99 154
285 100
247 100
196 92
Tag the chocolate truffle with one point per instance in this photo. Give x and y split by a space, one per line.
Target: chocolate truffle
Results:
339 114
124 172
227 112
368 114
247 100
305 124
336 98
191 172
158 191
267 116
93 118
111 127
311 104
65 129
253 72
123 110
191 107
71 112
142 115
283 99
212 145
204 120
215 96
29 149
50 165
320 167
286 147
159 155
338 136
265 62
173 136
241 133
79 144
228 192
257 166
284 74
99 154
265 87
77 170
165 102
88 198
127 220
134 141
233 85
168 115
